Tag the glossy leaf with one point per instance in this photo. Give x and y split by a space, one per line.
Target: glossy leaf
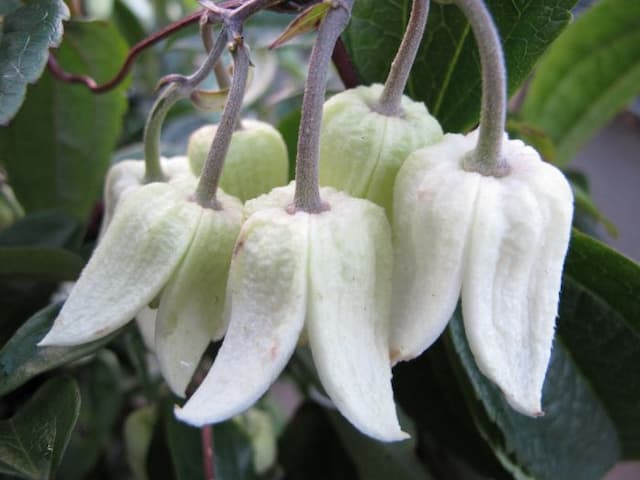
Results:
575 438
588 75
33 441
446 75
53 264
57 149
600 325
21 359
138 429
27 34
100 387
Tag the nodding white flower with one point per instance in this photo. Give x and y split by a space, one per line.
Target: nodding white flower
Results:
127 175
328 273
500 242
159 244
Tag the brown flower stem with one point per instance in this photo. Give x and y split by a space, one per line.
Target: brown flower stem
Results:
208 460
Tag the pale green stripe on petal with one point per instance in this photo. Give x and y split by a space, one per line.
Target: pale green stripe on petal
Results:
148 237
350 262
190 313
266 300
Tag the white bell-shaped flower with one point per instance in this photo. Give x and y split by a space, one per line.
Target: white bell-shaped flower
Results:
328 273
159 244
500 242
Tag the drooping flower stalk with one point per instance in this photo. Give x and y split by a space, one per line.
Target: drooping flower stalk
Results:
487 158
391 97
307 195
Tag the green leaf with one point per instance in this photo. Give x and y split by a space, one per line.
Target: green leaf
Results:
184 445
446 75
101 402
138 430
57 149
310 448
27 34
574 439
377 460
600 325
20 299
21 359
33 441
588 75
52 264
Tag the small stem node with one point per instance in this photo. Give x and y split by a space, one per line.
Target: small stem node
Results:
487 157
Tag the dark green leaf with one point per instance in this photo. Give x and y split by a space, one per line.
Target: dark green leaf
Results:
376 460
588 75
27 34
127 23
184 445
446 75
52 264
7 7
310 449
19 300
575 438
21 359
33 441
600 325
101 401
57 149
427 390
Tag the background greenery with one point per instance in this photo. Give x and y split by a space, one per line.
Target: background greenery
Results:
101 411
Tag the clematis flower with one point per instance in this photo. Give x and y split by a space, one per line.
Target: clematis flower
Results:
127 175
328 273
500 242
160 244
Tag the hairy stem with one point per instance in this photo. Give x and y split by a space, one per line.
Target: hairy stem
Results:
391 98
307 196
206 32
487 157
168 97
205 194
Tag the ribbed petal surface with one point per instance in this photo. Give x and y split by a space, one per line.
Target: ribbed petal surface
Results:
267 296
148 237
433 208
350 262
190 313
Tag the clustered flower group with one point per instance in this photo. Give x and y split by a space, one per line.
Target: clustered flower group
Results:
371 278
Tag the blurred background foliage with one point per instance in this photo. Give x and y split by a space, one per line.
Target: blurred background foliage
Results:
101 410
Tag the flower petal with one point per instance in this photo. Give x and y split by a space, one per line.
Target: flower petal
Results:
190 313
266 300
350 263
148 237
433 207
511 283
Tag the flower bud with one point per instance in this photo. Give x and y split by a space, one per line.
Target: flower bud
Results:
361 149
256 162
499 241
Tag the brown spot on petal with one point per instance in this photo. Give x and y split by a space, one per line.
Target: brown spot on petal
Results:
273 351
238 246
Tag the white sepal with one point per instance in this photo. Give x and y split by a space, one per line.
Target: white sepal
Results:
433 206
148 237
513 274
350 263
266 300
190 313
